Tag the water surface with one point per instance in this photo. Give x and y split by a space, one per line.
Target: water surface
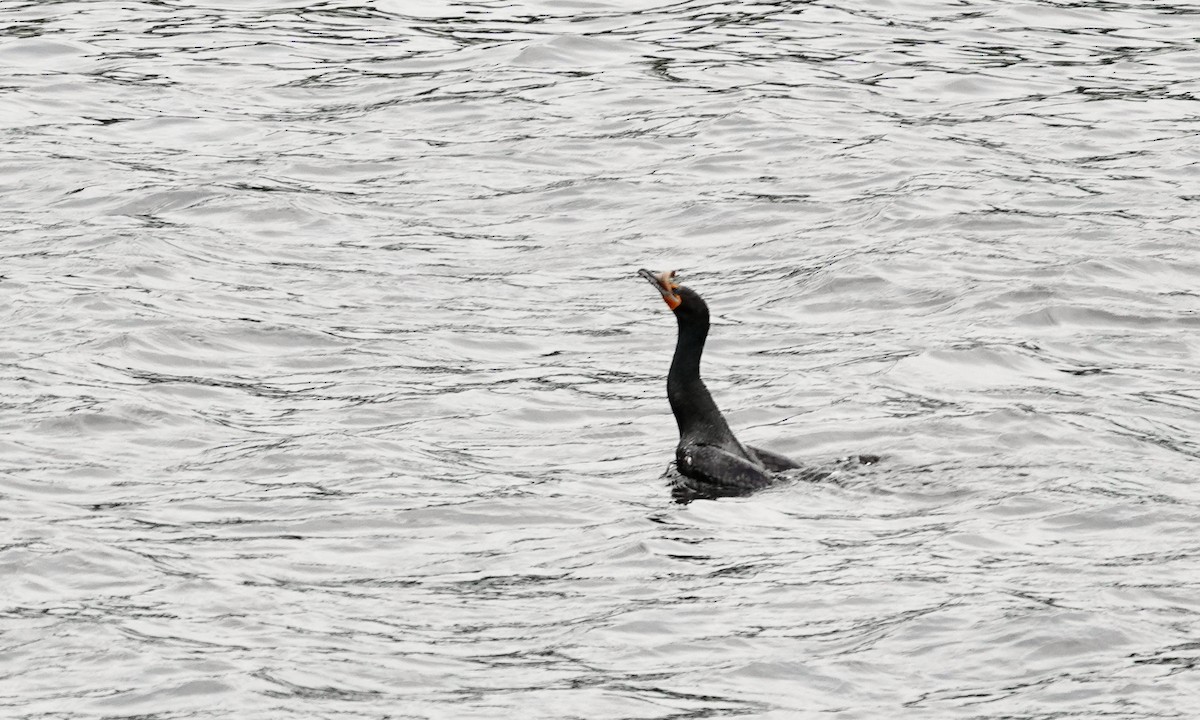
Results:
328 387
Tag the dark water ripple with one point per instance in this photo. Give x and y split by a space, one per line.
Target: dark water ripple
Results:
328 388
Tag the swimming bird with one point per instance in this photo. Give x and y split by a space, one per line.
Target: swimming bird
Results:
708 454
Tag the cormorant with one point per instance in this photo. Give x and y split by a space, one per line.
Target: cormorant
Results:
708 455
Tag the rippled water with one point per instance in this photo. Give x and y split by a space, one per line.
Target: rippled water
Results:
329 389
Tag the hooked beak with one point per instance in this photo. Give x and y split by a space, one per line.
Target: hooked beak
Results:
665 283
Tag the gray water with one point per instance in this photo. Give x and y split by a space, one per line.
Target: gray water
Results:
328 388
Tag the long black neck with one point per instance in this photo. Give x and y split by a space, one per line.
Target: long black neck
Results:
695 411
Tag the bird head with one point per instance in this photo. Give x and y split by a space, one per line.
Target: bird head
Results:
665 283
